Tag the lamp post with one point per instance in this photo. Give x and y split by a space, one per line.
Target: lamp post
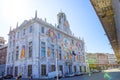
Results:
88 67
56 53
57 67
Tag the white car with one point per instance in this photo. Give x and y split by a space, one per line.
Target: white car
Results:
54 74
95 71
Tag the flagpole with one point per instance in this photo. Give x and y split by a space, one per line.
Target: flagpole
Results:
56 54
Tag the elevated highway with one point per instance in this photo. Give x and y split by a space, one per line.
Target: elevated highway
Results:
105 11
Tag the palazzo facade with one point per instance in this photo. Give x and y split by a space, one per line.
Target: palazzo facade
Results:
35 46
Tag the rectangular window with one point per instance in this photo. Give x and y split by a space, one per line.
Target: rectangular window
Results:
68 56
16 55
78 57
11 70
58 35
18 35
72 41
53 67
61 68
43 70
30 30
7 70
30 49
52 50
16 71
24 32
42 49
13 43
60 55
8 57
80 68
42 29
73 58
10 36
12 56
10 44
17 52
75 69
84 68
29 70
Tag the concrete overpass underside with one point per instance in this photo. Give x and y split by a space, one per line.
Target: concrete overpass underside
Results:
104 11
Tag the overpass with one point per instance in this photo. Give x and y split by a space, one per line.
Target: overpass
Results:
107 12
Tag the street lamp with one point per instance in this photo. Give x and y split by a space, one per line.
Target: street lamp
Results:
57 67
56 53
87 61
88 67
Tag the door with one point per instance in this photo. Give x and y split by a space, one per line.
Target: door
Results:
70 68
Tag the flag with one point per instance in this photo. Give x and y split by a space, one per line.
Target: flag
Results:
23 52
70 56
77 57
73 52
65 23
56 53
65 57
48 52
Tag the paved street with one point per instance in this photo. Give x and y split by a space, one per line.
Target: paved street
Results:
113 74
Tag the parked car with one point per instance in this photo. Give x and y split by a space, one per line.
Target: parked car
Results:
70 75
78 73
95 71
8 76
54 74
0 77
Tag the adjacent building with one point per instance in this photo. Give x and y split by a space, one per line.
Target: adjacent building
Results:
2 41
92 60
101 61
3 53
112 61
37 48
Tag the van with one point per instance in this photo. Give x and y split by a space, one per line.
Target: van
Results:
54 74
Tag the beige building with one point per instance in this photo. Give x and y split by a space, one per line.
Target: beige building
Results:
101 61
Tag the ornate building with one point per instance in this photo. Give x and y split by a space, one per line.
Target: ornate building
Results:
35 46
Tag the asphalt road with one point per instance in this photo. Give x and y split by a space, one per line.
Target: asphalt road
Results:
113 74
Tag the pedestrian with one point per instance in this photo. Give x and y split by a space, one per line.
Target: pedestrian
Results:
2 74
31 77
19 77
90 73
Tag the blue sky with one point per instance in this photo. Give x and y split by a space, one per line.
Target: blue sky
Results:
80 14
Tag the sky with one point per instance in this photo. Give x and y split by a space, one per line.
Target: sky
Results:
80 14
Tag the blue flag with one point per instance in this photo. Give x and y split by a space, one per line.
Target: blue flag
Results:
73 52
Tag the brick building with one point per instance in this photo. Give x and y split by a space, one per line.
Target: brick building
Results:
3 53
